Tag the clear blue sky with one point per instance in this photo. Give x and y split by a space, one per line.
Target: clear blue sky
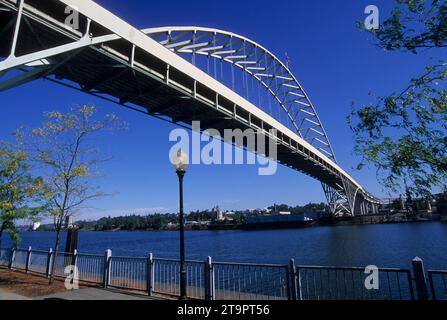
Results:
335 63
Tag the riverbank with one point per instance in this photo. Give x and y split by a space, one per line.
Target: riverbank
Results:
398 218
268 225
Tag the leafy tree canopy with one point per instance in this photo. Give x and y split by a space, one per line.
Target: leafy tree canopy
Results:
404 135
21 194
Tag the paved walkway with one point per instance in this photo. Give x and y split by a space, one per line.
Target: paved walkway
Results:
82 294
5 295
94 294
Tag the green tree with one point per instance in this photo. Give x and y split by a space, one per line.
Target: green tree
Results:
404 134
19 192
63 147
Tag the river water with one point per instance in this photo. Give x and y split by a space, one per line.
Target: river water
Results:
391 245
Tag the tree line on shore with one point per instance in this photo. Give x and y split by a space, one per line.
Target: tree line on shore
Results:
159 222
170 221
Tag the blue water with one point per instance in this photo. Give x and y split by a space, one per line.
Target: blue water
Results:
393 245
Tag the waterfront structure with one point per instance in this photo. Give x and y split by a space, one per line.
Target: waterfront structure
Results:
243 281
147 71
219 215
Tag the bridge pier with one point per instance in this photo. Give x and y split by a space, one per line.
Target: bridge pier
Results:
364 207
376 208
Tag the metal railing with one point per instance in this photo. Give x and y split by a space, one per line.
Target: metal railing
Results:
438 284
244 281
348 283
167 277
38 261
5 257
128 273
90 267
20 257
63 260
208 280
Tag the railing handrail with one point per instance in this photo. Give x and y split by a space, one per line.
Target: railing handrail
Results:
92 255
39 251
250 264
177 260
350 268
127 258
440 272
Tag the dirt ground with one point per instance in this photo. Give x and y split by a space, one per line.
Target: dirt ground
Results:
29 285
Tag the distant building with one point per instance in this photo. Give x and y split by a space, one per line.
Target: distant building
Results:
36 225
285 213
276 221
218 213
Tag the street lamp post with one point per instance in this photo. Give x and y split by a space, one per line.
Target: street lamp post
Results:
180 161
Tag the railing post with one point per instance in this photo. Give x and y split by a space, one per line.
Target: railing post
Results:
291 280
298 284
432 287
150 275
49 259
107 258
210 289
420 279
28 259
75 258
13 257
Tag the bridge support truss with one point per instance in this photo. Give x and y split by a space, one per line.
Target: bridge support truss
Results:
346 200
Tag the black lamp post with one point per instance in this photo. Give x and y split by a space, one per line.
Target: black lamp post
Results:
180 161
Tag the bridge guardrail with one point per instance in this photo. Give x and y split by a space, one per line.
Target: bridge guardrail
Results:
208 280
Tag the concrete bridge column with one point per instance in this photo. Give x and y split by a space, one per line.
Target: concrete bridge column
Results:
365 207
358 206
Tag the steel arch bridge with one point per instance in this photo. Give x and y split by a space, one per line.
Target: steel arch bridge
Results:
161 72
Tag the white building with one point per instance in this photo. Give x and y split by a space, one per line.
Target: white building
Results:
218 213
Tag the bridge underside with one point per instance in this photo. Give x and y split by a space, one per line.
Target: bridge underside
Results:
117 70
